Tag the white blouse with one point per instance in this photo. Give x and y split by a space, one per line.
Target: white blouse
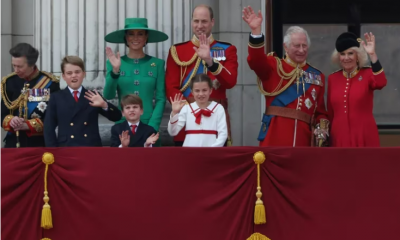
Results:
212 130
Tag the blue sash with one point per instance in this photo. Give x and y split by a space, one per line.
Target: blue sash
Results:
217 49
187 92
283 99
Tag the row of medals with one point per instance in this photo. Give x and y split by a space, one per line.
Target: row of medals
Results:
39 95
312 78
218 55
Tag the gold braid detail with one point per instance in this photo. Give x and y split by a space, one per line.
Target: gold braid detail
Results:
196 67
53 77
12 105
179 62
291 76
174 55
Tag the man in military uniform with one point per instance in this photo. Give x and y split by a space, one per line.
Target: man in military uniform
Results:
202 54
294 90
25 94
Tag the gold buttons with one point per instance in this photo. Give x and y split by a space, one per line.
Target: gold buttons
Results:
72 136
85 123
85 135
72 124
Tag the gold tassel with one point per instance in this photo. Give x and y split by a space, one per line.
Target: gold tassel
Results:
229 143
258 236
259 210
46 239
47 221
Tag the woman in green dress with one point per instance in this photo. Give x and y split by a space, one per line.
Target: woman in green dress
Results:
136 72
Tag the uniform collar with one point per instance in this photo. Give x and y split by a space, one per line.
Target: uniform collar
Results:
292 63
196 41
352 74
33 75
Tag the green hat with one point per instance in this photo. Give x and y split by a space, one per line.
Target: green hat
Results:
133 24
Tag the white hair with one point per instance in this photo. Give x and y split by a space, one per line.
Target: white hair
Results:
362 57
287 40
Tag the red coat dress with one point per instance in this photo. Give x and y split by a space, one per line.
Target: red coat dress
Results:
285 131
223 70
350 104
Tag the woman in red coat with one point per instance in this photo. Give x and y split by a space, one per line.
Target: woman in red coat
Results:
351 92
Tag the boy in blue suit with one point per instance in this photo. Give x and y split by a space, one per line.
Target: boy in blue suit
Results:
132 132
75 110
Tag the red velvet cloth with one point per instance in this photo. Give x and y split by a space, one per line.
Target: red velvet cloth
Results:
199 193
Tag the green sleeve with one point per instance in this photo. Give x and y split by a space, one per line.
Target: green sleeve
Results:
158 111
111 83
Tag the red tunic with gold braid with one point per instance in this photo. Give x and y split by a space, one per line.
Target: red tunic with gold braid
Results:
183 63
350 102
275 75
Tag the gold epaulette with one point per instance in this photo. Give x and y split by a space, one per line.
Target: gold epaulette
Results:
53 77
4 79
272 54
7 102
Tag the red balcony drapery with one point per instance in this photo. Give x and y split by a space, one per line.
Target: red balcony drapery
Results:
202 193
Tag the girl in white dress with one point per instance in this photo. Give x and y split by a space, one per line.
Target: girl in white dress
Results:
205 120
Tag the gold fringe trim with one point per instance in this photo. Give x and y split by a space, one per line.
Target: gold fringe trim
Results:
260 45
259 210
295 74
258 236
174 55
219 69
376 73
53 77
11 105
47 222
45 239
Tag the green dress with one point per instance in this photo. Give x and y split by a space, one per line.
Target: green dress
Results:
144 77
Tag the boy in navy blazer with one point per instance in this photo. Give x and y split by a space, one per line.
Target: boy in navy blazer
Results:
132 132
75 110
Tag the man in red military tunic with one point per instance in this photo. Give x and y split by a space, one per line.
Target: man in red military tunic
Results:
294 90
202 54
